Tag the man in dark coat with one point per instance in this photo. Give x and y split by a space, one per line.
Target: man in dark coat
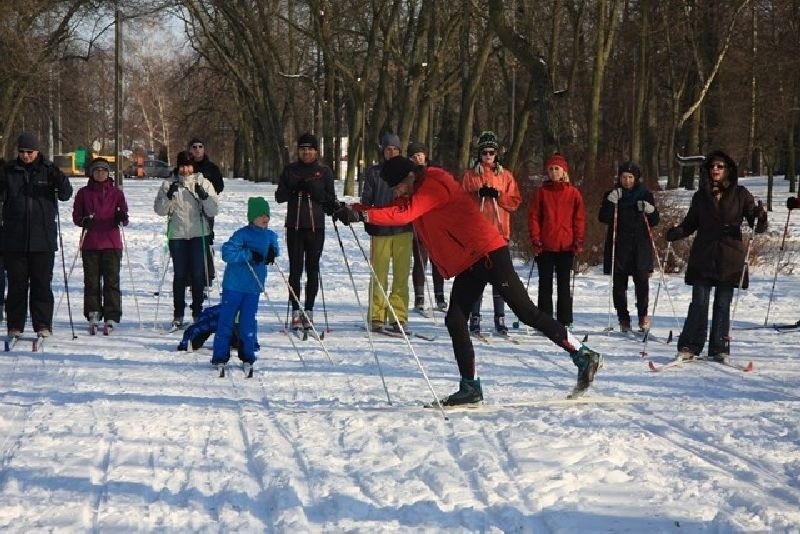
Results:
210 171
30 187
718 255
628 210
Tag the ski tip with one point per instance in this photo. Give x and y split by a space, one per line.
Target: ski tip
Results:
652 366
585 338
6 346
747 368
669 338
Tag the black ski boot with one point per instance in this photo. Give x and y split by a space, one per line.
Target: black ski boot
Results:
588 362
469 392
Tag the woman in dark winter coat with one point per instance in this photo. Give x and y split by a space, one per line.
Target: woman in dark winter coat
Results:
629 206
718 254
100 208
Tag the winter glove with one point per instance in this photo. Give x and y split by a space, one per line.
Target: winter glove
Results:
330 206
271 253
487 191
614 195
674 233
792 203
537 247
200 192
645 206
302 186
256 257
120 216
87 221
347 216
173 188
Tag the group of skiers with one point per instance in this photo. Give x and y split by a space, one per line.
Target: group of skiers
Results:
410 208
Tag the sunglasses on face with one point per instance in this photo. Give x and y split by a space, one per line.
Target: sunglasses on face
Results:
26 151
487 152
197 146
718 166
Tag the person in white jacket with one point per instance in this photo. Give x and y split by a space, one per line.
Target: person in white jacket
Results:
188 200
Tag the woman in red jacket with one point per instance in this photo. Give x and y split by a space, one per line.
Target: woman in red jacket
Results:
475 253
100 208
557 223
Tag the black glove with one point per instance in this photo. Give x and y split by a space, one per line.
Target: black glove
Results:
301 186
120 216
257 257
347 216
760 218
173 188
486 191
674 233
792 203
87 221
271 253
330 207
200 192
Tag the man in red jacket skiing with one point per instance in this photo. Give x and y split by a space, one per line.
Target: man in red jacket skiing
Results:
475 254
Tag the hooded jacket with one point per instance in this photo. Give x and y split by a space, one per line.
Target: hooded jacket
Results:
634 248
717 256
556 217
507 202
29 195
378 193
438 208
237 253
188 215
101 201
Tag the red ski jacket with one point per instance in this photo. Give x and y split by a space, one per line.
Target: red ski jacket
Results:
556 217
446 220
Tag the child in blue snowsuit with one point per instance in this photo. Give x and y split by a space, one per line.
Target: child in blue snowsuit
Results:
201 329
246 254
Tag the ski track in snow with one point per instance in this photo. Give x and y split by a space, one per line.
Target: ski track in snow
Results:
123 433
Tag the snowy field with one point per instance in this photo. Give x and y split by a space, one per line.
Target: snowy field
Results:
123 433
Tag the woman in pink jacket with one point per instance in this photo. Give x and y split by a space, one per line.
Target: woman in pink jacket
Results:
100 208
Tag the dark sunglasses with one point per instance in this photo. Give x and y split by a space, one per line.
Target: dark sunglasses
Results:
26 151
488 152
718 166
197 146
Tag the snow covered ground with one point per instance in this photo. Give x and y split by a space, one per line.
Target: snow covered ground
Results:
123 433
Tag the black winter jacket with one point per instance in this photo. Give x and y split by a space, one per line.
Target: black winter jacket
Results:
28 194
634 250
210 172
717 257
309 191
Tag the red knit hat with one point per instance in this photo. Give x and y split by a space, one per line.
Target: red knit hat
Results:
557 159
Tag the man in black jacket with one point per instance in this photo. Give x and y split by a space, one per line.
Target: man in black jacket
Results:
210 171
30 187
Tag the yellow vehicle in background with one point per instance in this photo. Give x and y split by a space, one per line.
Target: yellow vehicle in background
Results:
74 163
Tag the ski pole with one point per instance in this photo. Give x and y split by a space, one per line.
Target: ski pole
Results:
74 260
324 307
400 326
661 281
130 272
64 265
277 315
305 315
777 265
363 313
158 293
613 260
744 272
